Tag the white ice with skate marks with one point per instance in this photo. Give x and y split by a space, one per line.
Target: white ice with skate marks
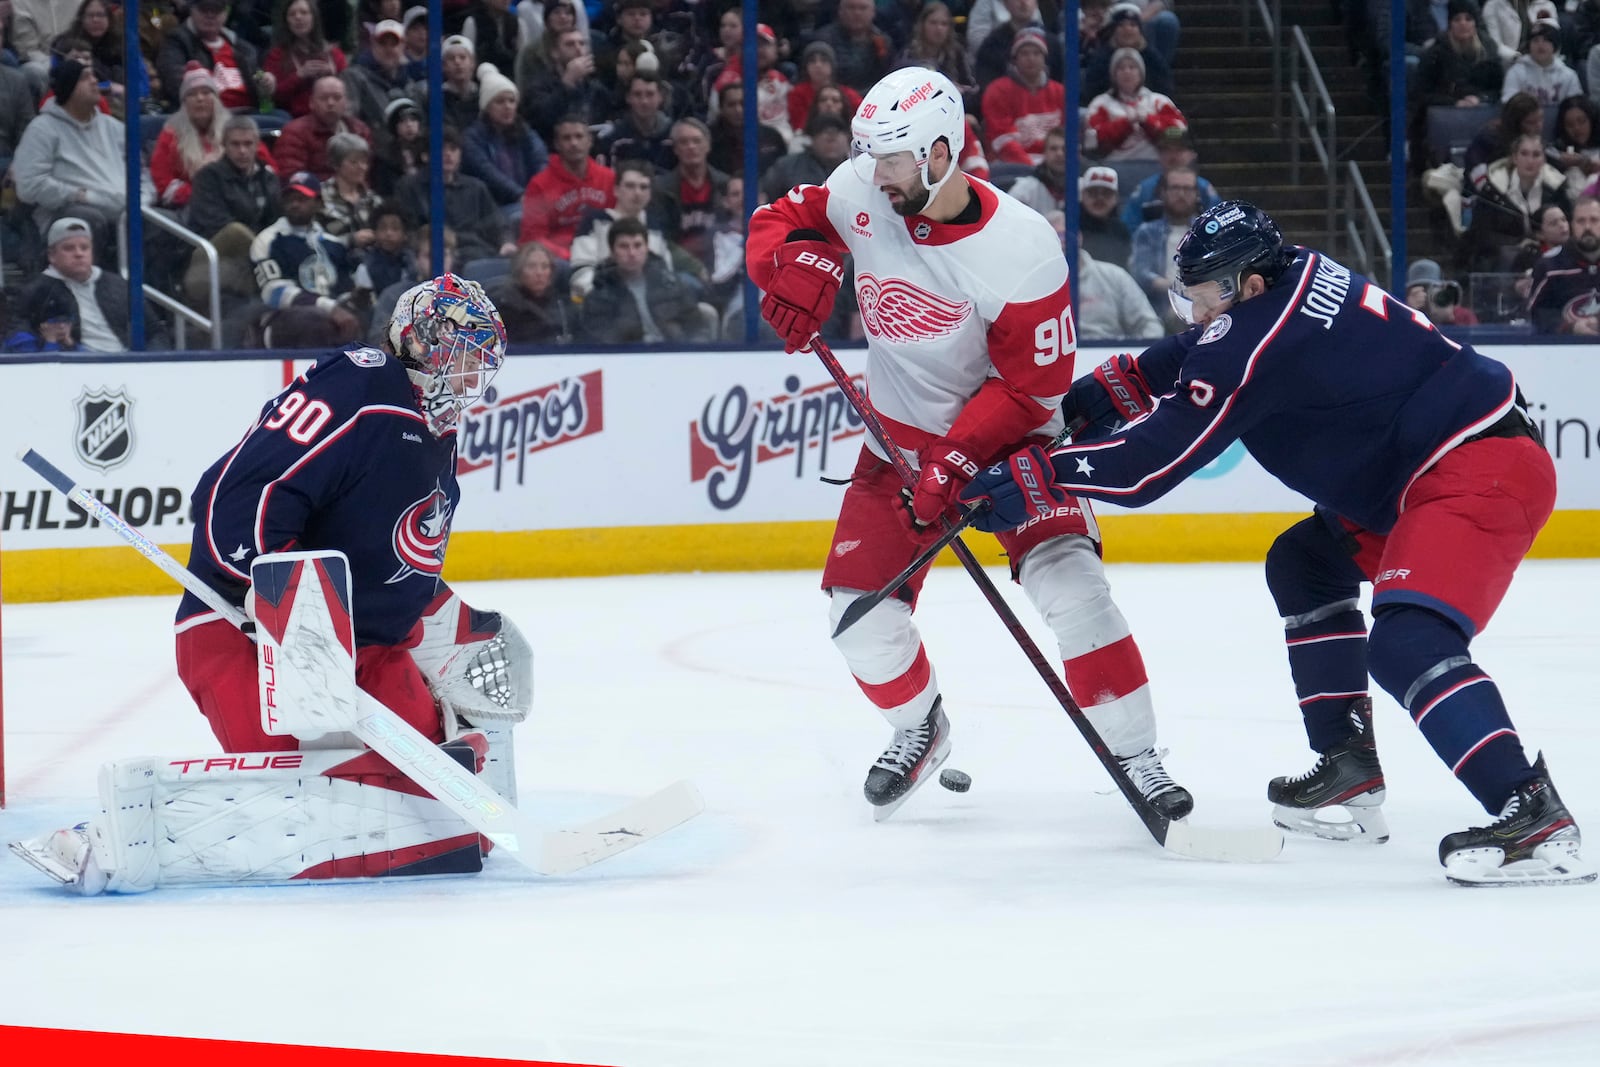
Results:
776 928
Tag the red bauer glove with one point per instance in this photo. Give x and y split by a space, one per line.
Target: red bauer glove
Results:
800 296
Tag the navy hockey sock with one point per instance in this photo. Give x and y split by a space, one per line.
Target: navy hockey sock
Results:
1421 660
1316 585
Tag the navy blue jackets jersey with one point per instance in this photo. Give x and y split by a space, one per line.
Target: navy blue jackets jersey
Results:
341 459
1334 386
299 266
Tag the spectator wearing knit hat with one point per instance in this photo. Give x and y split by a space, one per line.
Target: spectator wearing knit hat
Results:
1462 67
1128 120
461 87
299 55
1020 108
992 56
71 159
500 149
191 138
399 147
232 60
380 73
47 321
1542 73
1125 29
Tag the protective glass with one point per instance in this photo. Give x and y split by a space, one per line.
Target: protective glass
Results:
1193 303
891 169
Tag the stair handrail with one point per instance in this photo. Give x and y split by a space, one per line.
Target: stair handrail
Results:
1303 60
184 312
1271 14
1359 209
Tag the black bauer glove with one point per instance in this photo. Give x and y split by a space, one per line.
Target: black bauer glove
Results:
1015 491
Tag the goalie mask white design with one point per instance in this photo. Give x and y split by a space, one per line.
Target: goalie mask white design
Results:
909 110
449 336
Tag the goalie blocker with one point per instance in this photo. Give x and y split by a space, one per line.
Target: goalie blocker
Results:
332 810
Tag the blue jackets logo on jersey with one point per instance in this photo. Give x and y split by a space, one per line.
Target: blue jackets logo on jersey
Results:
104 437
420 535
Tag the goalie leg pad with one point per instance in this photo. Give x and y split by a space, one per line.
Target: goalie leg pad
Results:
270 818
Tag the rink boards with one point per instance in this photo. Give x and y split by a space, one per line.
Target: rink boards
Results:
592 464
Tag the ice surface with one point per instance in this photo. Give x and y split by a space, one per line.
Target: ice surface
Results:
1027 922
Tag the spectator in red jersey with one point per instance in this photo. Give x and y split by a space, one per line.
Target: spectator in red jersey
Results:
299 56
1128 119
232 61
559 195
1022 107
303 144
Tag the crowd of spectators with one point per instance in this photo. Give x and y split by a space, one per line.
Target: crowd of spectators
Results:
593 155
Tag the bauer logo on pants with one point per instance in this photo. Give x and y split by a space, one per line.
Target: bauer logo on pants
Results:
104 437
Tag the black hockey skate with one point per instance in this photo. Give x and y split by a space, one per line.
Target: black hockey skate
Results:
1156 785
1534 842
1338 799
911 758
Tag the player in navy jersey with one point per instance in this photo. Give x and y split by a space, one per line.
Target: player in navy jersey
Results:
357 454
1429 481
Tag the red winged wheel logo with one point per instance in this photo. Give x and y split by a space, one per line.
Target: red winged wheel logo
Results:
896 310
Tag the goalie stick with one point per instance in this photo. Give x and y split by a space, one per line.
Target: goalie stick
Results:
1245 844
547 852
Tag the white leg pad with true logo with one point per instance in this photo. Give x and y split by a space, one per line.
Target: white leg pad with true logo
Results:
254 819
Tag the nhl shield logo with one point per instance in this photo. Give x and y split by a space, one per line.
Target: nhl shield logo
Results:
104 437
922 231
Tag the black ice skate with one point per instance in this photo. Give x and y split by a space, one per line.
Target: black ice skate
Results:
1534 842
1338 799
912 757
1156 785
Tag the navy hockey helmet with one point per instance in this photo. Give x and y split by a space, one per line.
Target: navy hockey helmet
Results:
1224 244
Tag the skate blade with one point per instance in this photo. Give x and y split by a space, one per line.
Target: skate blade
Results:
931 771
1335 822
1557 863
36 854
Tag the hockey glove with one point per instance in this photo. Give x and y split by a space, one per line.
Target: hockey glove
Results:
800 294
1016 491
1115 392
947 467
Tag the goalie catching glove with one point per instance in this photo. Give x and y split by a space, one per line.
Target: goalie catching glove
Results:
477 663
805 281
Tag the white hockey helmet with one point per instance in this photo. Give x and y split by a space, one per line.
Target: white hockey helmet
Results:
448 334
909 110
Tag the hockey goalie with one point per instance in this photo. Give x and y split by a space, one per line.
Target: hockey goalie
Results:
327 525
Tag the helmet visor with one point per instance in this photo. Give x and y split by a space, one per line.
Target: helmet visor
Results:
891 169
1203 300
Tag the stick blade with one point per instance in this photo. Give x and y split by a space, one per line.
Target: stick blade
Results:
577 847
1248 844
852 614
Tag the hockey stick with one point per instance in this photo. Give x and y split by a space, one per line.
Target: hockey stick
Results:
547 852
861 605
1197 842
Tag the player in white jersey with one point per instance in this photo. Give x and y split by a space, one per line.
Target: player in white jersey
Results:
970 345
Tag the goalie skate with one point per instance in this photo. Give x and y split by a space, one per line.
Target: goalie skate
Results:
913 757
1339 798
67 856
1534 842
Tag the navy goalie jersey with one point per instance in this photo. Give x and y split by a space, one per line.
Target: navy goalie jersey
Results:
1334 386
341 459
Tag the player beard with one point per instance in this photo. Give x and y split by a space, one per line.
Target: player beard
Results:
909 204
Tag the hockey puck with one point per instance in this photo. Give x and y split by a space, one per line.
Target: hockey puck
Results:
955 781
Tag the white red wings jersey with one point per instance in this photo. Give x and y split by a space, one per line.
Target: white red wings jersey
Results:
945 306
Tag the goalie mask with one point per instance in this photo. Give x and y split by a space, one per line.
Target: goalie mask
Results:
451 341
900 120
